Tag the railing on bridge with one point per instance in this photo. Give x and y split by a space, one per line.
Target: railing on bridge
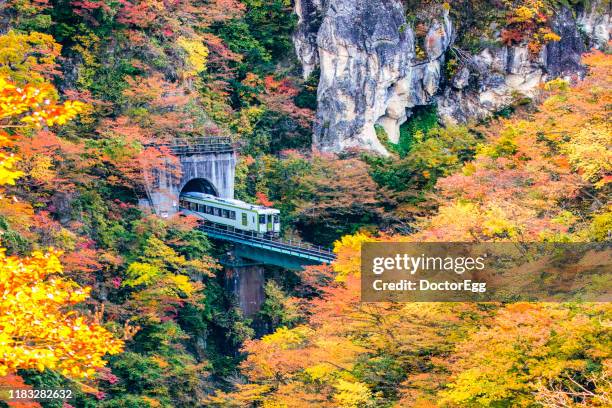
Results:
210 144
288 247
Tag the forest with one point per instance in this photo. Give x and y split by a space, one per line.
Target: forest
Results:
102 296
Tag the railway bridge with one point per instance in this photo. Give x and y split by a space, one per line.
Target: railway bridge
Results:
208 165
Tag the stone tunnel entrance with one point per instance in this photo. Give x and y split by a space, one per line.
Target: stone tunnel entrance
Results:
207 165
200 185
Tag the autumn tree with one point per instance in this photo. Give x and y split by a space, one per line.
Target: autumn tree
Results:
520 186
36 331
531 179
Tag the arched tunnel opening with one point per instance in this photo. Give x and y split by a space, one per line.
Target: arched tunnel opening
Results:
199 185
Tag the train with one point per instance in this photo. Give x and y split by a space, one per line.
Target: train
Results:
233 214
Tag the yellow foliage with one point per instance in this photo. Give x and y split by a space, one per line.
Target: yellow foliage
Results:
320 371
28 57
589 152
496 223
348 251
247 119
182 283
41 168
36 329
197 54
601 226
351 394
550 36
526 344
524 14
288 338
8 174
141 273
36 332
34 105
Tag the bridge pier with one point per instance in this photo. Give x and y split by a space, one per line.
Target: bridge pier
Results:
246 280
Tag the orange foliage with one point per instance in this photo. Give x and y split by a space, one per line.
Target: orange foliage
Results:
262 199
33 105
12 382
513 187
36 331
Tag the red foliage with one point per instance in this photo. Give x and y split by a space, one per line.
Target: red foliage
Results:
512 36
138 13
262 199
279 97
16 382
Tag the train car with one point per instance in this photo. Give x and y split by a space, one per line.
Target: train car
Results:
234 214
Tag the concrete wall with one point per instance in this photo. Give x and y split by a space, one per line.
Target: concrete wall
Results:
218 168
163 186
247 284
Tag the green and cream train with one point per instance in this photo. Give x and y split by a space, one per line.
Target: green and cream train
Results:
233 214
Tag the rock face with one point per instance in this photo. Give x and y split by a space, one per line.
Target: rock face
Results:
370 75
499 77
364 50
595 23
309 14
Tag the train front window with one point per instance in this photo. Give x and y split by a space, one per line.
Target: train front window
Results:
262 219
276 219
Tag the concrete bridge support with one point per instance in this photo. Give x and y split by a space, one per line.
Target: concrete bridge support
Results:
246 281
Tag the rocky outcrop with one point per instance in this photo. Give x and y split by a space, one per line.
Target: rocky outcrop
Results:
309 14
499 77
595 21
366 55
371 76
363 53
488 82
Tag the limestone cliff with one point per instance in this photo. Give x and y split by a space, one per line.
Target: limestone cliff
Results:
373 69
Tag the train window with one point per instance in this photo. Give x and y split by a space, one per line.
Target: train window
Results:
225 214
182 203
192 206
201 207
244 219
209 210
233 215
217 212
269 218
262 219
276 220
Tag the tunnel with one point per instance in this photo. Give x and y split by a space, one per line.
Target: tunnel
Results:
199 185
